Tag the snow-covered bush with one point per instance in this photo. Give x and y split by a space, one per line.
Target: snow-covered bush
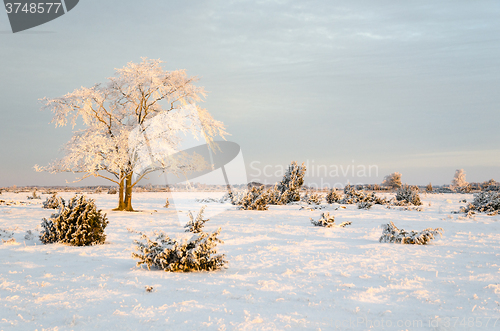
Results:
112 190
79 223
428 188
484 202
328 221
408 195
391 234
6 234
34 196
312 199
353 196
29 235
490 185
225 198
53 202
288 190
333 196
255 199
364 205
164 253
195 225
393 180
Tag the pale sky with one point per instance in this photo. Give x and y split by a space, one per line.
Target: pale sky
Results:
411 87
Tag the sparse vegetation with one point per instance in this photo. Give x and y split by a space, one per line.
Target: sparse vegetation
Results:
312 199
391 234
195 225
34 196
364 205
328 221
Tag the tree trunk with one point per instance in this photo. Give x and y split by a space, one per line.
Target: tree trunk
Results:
128 193
121 200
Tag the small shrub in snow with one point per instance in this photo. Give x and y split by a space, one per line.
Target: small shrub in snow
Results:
112 190
408 195
333 196
164 253
428 188
6 233
79 223
288 190
29 235
353 196
195 225
391 234
364 205
328 221
255 199
484 202
53 202
312 207
224 199
34 196
167 203
312 199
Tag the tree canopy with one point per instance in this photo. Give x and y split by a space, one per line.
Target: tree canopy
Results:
133 125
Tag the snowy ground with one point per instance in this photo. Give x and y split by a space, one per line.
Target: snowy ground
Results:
284 273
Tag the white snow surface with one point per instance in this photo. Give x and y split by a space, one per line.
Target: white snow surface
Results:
283 273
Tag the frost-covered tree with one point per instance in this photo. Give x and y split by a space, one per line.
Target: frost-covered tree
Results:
459 179
391 234
393 180
429 188
138 115
79 223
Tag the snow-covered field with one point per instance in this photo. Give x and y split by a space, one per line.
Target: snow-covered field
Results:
283 273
